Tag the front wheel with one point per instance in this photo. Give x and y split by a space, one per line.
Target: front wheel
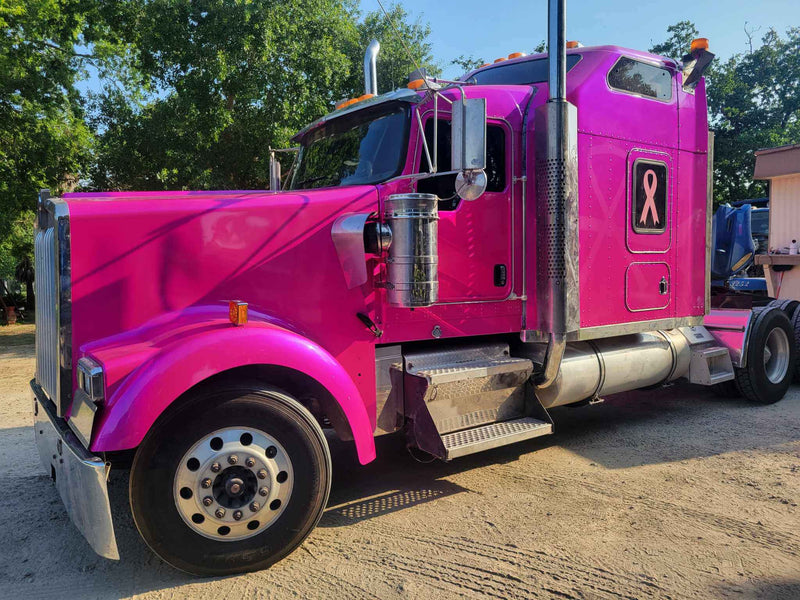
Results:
770 358
231 482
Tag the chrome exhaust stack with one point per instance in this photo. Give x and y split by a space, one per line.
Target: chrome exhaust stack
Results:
557 291
371 69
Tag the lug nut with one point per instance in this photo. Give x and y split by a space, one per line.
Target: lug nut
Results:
262 474
216 467
263 491
206 483
219 513
255 506
237 515
233 459
250 462
208 501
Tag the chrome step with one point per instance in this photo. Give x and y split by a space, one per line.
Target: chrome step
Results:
485 437
468 420
465 363
710 365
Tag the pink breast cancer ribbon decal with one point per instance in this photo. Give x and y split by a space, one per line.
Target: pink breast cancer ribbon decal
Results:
650 184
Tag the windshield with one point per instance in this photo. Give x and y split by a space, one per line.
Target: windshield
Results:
759 222
365 147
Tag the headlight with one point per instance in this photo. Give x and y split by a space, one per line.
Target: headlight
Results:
90 379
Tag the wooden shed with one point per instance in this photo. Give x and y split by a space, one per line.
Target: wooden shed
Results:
781 167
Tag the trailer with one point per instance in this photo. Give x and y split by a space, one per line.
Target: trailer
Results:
447 262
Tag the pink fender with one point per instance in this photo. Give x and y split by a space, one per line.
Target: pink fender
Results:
211 349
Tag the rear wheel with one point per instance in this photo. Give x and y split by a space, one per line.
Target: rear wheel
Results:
796 328
770 360
231 482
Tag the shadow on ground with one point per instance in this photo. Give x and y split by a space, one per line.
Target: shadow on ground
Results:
626 431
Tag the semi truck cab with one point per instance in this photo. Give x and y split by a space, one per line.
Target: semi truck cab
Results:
446 262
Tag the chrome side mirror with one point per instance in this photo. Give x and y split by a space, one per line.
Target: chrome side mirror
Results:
470 185
468 149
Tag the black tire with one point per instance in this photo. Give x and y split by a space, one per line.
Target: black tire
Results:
753 380
155 469
796 327
788 306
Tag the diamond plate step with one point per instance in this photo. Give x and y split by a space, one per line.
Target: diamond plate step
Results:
477 439
465 363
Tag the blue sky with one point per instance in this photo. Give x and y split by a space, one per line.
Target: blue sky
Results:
492 29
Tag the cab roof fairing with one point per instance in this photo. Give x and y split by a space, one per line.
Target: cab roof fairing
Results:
399 95
617 50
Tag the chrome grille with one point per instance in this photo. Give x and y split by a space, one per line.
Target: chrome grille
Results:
46 293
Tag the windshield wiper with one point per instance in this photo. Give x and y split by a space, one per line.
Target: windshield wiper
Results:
300 184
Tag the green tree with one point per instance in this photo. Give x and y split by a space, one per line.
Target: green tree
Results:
753 102
44 141
229 79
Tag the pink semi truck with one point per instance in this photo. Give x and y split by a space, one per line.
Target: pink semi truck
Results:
447 262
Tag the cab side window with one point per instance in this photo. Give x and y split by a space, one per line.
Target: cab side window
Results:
641 79
444 185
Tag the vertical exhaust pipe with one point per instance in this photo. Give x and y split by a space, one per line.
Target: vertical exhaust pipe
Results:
371 68
557 290
557 48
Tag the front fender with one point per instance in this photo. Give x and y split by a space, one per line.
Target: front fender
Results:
212 349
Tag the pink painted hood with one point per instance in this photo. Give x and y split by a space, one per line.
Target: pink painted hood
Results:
144 262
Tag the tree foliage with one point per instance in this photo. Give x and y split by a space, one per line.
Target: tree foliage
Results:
192 94
234 78
753 102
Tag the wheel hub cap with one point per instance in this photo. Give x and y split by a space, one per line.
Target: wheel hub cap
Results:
261 469
776 355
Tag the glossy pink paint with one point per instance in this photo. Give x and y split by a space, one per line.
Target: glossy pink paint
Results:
153 271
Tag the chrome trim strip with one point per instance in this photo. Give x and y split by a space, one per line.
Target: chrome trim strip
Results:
709 211
602 331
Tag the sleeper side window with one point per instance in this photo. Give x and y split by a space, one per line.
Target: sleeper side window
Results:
635 77
444 185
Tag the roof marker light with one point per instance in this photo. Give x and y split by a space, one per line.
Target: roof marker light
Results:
501 59
699 44
416 84
574 44
516 55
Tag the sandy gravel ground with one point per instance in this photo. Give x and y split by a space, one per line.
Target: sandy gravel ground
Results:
665 494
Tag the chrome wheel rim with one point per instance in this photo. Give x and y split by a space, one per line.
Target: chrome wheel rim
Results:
233 483
776 355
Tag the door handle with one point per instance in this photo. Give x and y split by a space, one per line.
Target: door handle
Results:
663 286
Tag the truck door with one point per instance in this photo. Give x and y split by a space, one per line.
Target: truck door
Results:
475 238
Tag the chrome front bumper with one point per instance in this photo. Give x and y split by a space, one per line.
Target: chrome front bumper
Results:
80 477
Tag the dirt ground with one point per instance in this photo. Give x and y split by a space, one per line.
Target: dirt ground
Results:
664 494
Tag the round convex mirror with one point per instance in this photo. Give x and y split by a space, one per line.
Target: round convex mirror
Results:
470 185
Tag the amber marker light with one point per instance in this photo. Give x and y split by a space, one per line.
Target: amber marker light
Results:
516 55
699 44
573 44
501 59
365 97
237 312
416 84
